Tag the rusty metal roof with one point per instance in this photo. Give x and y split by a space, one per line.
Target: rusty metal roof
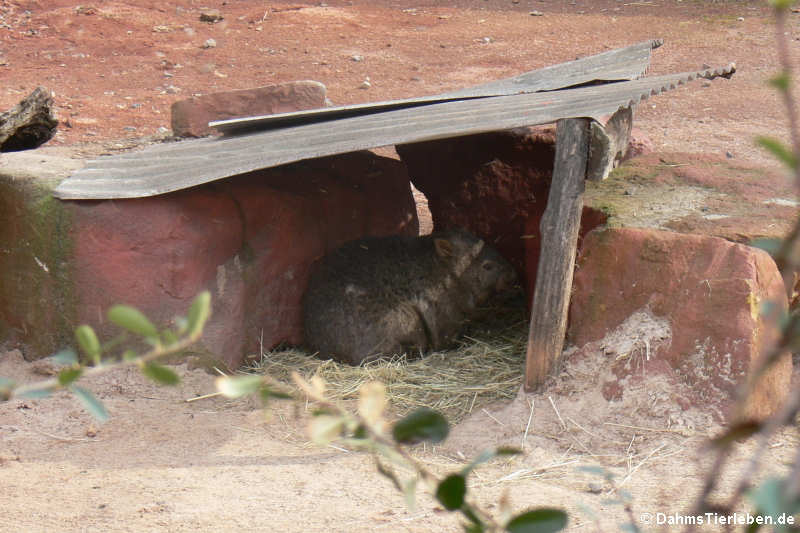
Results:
170 167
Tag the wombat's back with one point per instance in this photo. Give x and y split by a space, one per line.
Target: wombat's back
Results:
388 295
353 305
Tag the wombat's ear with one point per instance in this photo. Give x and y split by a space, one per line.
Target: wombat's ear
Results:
444 248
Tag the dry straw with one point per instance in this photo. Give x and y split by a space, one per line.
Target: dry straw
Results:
486 366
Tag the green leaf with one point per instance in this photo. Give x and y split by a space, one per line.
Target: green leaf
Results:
65 357
181 324
160 374
360 432
129 355
488 455
780 81
410 493
474 528
238 386
771 246
624 495
424 424
68 375
169 337
779 150
781 4
199 312
597 470
36 393
325 428
268 393
6 386
451 492
538 521
755 526
88 342
506 450
90 403
772 499
472 517
133 320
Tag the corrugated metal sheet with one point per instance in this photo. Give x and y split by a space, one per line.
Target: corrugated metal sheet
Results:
621 64
173 166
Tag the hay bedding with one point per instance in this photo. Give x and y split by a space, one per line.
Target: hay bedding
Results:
487 365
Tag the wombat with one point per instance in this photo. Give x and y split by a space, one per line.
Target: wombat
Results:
381 296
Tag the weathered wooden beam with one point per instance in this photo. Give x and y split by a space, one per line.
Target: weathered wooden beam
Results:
559 229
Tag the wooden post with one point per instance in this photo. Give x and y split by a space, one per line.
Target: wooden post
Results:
559 230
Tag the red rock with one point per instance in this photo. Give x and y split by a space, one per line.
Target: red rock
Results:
250 239
190 117
707 288
639 144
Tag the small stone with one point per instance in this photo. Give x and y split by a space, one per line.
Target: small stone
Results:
357 58
211 16
536 14
85 10
171 89
210 43
366 84
162 130
190 117
162 28
594 488
729 155
740 19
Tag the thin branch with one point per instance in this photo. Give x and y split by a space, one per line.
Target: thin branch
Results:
154 354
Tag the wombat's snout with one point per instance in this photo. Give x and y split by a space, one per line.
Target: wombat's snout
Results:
505 276
508 280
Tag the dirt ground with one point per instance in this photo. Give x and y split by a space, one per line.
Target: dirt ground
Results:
162 464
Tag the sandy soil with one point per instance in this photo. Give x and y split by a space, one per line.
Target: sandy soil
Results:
162 464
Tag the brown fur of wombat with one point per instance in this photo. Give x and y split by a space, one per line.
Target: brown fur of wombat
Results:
383 296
